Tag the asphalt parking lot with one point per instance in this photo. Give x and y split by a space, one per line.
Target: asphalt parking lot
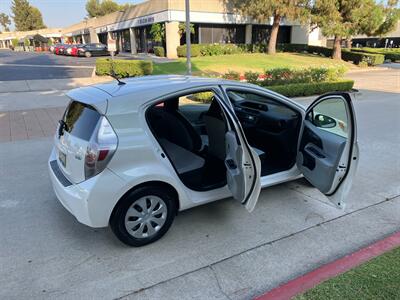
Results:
32 65
217 251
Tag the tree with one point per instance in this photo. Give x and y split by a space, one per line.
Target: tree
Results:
263 10
391 18
343 19
157 32
98 8
35 19
5 21
182 29
25 16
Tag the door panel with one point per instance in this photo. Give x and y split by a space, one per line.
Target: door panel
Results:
320 153
328 151
243 167
233 161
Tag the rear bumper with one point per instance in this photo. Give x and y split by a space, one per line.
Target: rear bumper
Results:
91 202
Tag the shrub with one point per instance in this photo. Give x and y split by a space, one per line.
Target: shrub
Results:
123 68
390 54
357 57
371 59
253 48
205 97
159 51
292 47
280 76
210 49
194 50
315 88
15 42
231 75
219 49
251 77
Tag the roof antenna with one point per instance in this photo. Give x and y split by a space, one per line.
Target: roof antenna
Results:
113 73
116 78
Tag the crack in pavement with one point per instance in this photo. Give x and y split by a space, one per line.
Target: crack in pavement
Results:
218 283
255 247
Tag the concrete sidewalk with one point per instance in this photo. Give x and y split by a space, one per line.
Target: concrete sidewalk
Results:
29 124
49 84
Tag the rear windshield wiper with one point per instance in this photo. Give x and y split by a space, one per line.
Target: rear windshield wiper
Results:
63 126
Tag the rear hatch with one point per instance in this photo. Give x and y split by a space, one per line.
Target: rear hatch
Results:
73 139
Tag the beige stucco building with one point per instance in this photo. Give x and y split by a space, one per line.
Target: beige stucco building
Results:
213 21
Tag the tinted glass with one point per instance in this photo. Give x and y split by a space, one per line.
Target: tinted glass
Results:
81 119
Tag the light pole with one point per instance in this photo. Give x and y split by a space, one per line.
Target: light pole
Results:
188 62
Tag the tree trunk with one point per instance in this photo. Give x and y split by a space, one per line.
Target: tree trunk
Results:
348 43
337 48
274 35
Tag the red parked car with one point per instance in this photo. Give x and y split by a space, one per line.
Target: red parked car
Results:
59 49
74 49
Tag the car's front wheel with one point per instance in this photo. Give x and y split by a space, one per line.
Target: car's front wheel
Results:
88 54
144 215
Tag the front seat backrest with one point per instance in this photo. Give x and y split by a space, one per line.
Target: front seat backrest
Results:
216 128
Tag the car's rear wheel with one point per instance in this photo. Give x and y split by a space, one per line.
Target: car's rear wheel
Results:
144 215
88 54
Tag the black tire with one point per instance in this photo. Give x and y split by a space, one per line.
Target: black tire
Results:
88 54
117 220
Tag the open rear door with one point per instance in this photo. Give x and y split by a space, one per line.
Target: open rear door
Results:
328 150
243 167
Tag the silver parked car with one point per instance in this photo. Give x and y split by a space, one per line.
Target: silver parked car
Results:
132 154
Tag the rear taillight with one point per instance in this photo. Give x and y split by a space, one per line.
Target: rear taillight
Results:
101 148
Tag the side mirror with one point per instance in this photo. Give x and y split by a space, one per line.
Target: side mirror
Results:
324 121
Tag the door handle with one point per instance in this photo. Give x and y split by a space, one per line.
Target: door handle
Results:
230 164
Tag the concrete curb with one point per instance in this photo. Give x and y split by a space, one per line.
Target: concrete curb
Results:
330 270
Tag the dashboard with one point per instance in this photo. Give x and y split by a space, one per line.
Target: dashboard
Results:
269 117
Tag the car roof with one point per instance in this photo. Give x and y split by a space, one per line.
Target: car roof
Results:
141 90
164 83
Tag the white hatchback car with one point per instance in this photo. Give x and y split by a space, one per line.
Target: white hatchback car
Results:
133 154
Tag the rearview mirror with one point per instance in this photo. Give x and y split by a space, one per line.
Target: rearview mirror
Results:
324 121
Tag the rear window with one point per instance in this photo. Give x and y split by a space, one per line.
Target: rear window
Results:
81 119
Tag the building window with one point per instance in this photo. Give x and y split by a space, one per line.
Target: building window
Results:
261 34
103 38
221 33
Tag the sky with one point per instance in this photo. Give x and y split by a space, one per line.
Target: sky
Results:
58 13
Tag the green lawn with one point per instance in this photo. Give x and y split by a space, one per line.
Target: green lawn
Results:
376 279
217 65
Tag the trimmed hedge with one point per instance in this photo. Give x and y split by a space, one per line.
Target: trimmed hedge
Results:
372 59
279 76
315 88
159 51
124 68
210 49
390 54
194 50
358 57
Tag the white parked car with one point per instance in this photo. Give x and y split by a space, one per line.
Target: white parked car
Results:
131 155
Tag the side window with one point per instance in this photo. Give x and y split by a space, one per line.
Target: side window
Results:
196 98
330 115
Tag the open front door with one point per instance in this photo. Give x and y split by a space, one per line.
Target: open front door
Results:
328 150
243 167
